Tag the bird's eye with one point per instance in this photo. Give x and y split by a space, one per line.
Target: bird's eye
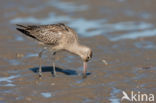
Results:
88 58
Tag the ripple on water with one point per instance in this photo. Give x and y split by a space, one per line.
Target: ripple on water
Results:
69 58
47 20
144 15
9 85
89 28
127 26
67 6
79 81
20 98
87 100
145 45
31 55
14 62
46 94
74 23
135 35
19 38
8 80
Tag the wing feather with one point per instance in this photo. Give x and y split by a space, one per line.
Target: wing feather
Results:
49 34
45 33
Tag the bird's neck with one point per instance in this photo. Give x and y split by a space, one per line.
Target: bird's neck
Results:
76 49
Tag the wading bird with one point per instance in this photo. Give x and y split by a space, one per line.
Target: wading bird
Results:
57 37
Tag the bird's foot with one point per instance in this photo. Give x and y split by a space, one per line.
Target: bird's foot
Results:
54 74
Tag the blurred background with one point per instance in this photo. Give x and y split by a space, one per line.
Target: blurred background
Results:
122 34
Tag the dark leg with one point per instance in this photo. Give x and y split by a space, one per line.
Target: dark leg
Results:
54 70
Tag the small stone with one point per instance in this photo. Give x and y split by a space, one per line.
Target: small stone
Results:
28 99
52 84
19 55
105 62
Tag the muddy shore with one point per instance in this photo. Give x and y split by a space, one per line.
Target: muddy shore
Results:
122 34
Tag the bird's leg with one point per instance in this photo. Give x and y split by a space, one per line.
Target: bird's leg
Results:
54 69
40 67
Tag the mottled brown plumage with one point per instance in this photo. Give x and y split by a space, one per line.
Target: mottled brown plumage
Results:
57 37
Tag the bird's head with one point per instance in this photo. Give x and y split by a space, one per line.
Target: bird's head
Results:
86 54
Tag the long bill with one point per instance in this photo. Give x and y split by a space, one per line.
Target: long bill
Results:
84 69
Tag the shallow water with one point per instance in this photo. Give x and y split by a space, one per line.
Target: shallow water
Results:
14 62
121 33
113 98
100 27
67 6
8 79
46 95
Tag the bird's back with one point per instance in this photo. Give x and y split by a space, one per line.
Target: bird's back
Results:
53 34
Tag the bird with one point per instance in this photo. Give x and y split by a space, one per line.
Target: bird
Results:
55 38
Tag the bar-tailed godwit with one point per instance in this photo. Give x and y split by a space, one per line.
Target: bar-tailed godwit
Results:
57 37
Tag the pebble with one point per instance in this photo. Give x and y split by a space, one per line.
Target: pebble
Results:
105 62
19 55
28 99
52 84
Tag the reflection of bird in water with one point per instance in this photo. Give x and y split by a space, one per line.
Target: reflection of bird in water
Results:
57 37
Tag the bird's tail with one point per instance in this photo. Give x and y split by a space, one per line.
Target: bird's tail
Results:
19 25
24 30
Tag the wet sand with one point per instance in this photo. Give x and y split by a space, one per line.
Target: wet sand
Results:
121 33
